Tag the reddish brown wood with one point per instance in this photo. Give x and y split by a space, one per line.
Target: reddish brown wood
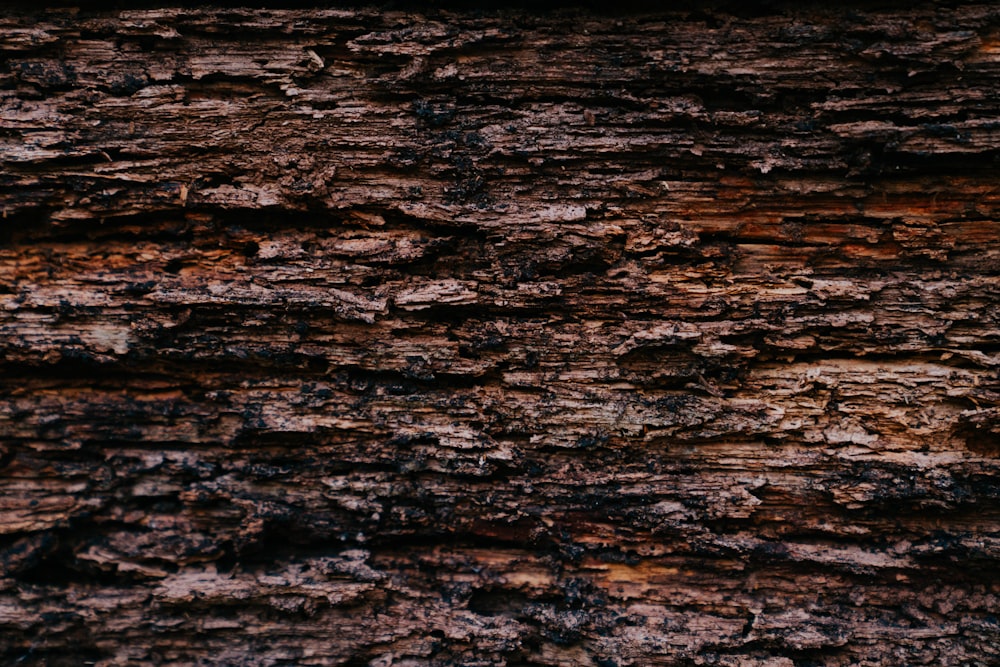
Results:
351 336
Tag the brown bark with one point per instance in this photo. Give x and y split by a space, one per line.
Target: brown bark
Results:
392 338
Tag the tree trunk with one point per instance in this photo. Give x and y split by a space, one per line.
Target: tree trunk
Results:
500 337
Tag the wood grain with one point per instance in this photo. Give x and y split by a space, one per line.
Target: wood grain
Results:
399 337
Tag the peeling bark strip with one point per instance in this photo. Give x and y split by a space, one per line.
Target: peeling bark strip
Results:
362 337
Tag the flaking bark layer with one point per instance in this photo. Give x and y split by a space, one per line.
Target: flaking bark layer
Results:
349 336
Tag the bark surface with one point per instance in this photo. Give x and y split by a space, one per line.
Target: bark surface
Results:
374 337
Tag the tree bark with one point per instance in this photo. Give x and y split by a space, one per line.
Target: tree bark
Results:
351 336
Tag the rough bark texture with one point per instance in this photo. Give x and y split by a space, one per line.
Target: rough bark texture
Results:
363 337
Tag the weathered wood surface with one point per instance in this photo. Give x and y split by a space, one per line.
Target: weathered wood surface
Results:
363 337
